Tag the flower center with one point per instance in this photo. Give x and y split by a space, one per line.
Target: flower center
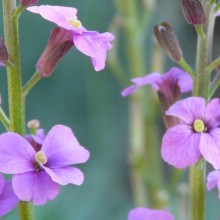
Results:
40 157
75 23
199 125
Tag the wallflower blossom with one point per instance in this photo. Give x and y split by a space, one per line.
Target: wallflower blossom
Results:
91 43
8 200
37 175
168 86
198 135
149 214
213 180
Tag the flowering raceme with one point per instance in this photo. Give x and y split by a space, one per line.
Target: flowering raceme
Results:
91 43
8 200
149 214
183 144
37 175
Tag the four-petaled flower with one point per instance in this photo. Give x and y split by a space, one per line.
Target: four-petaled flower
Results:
37 175
8 200
91 43
149 214
213 180
183 144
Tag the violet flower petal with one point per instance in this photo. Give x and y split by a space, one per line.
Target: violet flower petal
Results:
212 179
127 91
210 147
39 137
94 45
188 109
66 175
212 113
35 187
16 154
180 146
62 148
8 199
59 15
149 214
2 64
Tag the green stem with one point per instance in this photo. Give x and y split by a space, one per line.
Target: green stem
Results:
31 83
4 119
217 7
215 84
201 86
213 64
16 102
186 67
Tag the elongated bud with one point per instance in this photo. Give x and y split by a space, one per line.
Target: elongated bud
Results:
168 41
193 12
28 2
59 44
3 51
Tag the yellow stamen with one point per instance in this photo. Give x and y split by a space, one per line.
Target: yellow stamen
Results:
40 157
75 23
199 125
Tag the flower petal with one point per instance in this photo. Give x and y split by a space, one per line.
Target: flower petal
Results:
8 200
212 113
94 45
127 91
39 137
149 214
16 154
59 15
180 146
35 187
62 148
212 179
2 64
210 147
66 175
188 109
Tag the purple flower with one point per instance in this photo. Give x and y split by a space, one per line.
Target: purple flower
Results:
149 214
213 180
91 43
165 83
2 64
8 200
183 144
37 175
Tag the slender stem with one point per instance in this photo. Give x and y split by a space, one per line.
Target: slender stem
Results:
18 11
200 31
215 84
186 67
31 83
16 102
217 7
213 64
4 119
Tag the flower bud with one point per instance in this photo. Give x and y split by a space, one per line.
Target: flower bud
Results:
28 2
59 44
168 41
3 51
193 12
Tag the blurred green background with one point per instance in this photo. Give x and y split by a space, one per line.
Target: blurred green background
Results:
90 103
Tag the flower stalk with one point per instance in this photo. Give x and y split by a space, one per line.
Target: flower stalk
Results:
16 101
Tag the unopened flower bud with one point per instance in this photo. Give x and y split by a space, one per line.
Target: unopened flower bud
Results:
59 44
28 2
193 12
3 51
168 41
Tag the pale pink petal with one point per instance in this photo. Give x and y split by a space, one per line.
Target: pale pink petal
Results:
180 146
212 179
37 187
62 148
188 109
59 15
16 154
94 45
212 113
210 147
8 200
149 214
66 175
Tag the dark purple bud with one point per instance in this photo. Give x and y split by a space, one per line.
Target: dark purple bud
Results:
3 51
168 41
193 11
28 2
60 42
